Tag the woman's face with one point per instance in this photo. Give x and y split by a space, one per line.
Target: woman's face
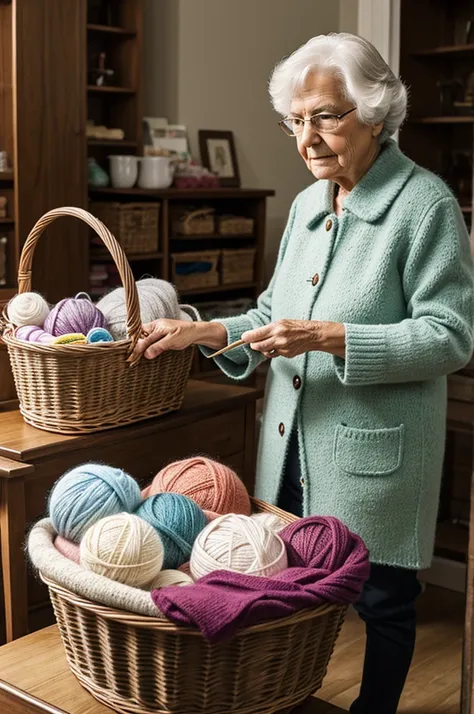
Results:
344 155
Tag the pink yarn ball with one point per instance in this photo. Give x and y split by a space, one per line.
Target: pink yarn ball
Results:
73 315
213 486
33 333
67 548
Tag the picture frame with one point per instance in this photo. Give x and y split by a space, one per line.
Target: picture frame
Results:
218 154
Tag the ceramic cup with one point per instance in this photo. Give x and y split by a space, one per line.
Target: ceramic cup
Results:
123 171
155 172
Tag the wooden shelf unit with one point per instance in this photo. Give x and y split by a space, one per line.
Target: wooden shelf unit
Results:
439 134
110 29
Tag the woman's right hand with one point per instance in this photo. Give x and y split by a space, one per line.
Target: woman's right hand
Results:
162 335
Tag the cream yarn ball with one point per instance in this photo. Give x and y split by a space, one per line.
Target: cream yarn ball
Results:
240 544
170 577
270 521
123 547
28 309
157 299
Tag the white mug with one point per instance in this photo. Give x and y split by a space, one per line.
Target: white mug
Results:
155 172
123 171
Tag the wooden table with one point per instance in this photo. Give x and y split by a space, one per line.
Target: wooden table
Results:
215 419
35 679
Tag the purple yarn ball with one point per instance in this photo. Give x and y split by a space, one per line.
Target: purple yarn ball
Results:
73 315
33 333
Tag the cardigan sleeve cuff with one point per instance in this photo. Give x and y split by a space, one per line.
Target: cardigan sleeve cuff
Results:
240 362
366 355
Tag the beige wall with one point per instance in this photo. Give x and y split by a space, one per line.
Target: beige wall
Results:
207 64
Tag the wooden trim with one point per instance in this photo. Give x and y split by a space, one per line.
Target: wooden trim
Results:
11 697
180 193
12 531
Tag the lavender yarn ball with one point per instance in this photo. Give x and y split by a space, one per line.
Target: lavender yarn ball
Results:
33 333
73 315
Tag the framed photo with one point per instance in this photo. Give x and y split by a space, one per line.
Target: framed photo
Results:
218 155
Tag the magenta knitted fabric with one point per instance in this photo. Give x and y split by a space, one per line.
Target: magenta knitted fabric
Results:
327 562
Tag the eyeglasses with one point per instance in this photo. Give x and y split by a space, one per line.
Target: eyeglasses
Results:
325 123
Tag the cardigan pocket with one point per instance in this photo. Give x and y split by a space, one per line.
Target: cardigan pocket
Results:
368 452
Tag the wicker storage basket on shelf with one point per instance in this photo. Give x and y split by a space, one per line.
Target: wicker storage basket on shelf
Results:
197 279
235 225
134 225
77 388
237 266
138 664
194 223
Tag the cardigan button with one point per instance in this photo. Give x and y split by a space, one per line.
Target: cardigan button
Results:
315 280
296 382
328 224
302 481
281 428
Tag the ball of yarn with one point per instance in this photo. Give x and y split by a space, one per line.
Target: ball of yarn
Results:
157 299
177 520
170 577
33 333
87 493
28 309
99 334
123 547
70 338
67 548
270 521
240 544
73 315
186 569
214 487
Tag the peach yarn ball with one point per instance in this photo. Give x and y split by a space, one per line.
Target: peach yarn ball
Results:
67 548
213 486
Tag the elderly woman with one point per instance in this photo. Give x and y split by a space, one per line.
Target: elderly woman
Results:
370 306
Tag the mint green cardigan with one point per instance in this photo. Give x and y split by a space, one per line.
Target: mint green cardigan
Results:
396 269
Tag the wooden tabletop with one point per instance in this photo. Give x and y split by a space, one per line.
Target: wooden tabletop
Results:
21 442
35 678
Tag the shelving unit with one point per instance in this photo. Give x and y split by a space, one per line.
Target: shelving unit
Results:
439 134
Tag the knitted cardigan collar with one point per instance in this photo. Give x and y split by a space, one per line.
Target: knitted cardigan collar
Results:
372 195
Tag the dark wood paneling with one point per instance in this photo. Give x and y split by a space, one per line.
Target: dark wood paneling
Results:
51 145
6 81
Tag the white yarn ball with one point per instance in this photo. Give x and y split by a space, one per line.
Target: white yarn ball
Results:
240 544
170 577
157 299
123 547
28 309
270 521
185 316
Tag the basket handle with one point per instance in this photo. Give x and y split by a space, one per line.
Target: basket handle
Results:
198 212
134 324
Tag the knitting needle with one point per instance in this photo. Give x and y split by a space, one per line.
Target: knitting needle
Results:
226 349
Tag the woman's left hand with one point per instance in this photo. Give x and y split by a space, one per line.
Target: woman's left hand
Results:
290 338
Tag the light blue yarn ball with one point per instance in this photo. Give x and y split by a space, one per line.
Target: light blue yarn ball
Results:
178 520
99 334
87 493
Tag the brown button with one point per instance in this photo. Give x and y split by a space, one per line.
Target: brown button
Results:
296 382
328 224
281 428
315 280
302 481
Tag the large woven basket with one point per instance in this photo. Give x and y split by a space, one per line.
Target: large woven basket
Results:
76 389
134 225
145 665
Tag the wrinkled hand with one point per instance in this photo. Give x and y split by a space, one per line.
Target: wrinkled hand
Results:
164 335
290 338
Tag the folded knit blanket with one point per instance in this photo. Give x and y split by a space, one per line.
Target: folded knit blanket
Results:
328 564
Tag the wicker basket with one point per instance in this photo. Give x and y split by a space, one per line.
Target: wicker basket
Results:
143 665
134 225
237 266
194 223
193 280
76 389
235 225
